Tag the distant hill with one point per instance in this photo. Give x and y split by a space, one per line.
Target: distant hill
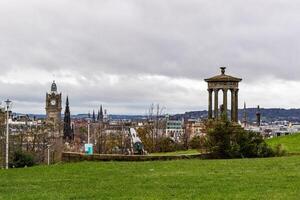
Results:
273 114
267 115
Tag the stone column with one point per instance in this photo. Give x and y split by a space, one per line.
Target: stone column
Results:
236 105
225 101
210 91
233 105
216 108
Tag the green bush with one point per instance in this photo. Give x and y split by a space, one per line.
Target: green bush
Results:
22 159
197 142
166 145
228 140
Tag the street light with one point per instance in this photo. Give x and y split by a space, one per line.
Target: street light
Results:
88 131
88 147
8 104
48 158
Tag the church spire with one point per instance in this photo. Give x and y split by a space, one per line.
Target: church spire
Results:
101 114
67 104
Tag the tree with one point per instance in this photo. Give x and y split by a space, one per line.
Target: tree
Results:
155 126
166 145
229 140
22 159
197 142
145 135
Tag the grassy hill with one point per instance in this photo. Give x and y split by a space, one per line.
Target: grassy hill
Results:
271 178
290 142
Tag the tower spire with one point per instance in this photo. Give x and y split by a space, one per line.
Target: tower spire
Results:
67 102
101 114
258 116
68 131
245 115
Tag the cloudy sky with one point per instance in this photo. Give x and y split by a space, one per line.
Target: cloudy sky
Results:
128 54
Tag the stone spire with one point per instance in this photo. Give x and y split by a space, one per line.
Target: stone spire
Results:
245 115
258 116
101 114
68 133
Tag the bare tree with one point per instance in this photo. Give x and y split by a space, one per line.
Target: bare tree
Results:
154 127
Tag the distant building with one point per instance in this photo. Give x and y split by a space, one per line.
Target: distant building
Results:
294 127
174 129
105 117
194 128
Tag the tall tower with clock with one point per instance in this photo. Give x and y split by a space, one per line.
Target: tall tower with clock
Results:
53 105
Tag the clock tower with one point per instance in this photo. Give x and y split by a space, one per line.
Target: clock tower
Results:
53 105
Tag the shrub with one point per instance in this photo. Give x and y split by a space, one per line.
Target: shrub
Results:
166 145
179 146
280 150
21 159
228 140
197 142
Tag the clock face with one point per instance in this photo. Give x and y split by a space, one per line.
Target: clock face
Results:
53 102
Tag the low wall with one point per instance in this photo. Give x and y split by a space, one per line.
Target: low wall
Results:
76 157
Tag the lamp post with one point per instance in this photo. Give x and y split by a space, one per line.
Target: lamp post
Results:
8 103
88 131
48 151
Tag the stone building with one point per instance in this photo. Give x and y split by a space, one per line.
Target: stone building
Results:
194 128
53 123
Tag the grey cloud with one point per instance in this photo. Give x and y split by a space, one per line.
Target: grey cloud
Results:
174 38
131 94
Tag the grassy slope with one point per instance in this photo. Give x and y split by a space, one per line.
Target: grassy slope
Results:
290 142
271 178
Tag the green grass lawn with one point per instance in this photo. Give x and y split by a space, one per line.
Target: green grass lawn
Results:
270 178
290 142
177 153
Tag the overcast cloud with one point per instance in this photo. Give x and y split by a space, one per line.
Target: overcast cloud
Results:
126 54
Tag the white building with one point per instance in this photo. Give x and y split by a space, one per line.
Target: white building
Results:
174 129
